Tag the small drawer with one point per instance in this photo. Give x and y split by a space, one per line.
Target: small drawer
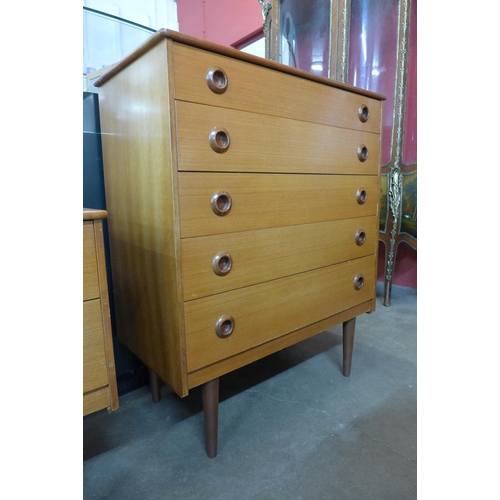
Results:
223 325
96 400
95 372
250 87
257 201
218 139
90 275
215 264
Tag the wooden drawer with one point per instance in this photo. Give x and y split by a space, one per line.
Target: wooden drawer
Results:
96 400
266 254
90 275
259 143
95 374
269 310
271 200
260 90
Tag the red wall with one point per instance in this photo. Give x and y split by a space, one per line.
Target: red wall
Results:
228 22
405 270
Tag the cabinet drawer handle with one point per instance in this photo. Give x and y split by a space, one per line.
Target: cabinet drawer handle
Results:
363 113
224 326
361 195
360 237
359 281
219 140
221 203
217 80
362 153
222 263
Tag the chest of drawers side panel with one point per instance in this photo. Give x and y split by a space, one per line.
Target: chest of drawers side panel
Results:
141 195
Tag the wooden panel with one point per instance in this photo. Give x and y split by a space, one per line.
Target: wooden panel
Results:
141 196
263 90
260 143
95 373
271 200
267 254
95 401
267 311
90 276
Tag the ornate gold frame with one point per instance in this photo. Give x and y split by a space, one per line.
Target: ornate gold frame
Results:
339 34
396 169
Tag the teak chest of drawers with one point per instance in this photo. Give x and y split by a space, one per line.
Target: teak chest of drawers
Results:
99 374
243 208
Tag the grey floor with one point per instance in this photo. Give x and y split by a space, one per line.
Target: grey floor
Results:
290 425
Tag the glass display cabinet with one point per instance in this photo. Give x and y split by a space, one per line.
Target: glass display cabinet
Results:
304 34
372 45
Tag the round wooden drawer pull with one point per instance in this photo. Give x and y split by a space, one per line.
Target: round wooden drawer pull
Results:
363 113
217 80
359 281
219 140
221 203
222 263
362 153
361 195
360 237
224 326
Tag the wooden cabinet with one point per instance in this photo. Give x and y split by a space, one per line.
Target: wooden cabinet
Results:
99 377
243 208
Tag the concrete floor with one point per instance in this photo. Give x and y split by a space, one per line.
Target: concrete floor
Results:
290 425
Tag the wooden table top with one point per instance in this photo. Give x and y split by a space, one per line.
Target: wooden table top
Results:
94 213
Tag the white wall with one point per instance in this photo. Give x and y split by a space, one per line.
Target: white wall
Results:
155 14
257 48
107 42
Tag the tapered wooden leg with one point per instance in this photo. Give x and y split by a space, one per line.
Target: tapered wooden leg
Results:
210 395
348 342
154 384
387 292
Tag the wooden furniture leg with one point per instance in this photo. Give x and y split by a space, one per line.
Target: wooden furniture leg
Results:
348 342
154 384
210 396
